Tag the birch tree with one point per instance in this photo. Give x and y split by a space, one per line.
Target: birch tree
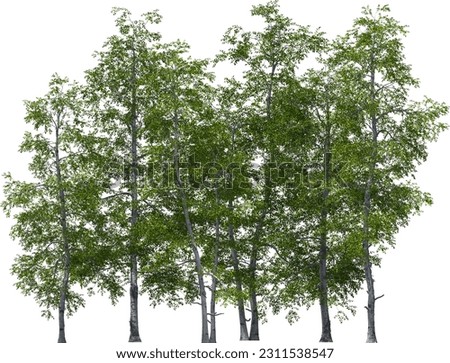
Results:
185 106
57 213
392 137
120 91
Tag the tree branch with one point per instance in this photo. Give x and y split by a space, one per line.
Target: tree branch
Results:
215 314
116 195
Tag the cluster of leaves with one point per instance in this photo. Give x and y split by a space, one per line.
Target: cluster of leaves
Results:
274 166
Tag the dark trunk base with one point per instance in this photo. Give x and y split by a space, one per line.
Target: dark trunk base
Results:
371 337
326 338
134 339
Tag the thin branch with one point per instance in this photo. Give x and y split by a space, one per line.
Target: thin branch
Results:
276 251
116 195
215 314
379 297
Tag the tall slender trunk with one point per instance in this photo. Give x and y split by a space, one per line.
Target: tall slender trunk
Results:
323 286
134 290
212 306
243 330
64 230
371 336
238 281
194 247
254 325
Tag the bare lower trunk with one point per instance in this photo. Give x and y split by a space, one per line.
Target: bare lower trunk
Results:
64 231
254 325
194 247
371 336
323 252
212 307
199 269
134 293
201 282
324 312
238 282
62 308
243 330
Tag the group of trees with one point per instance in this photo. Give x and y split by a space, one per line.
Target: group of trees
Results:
276 189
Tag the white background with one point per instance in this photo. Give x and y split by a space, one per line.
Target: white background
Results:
38 38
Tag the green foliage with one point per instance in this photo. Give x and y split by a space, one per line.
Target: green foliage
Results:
280 159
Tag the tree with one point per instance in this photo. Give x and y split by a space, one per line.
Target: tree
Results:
270 58
120 91
392 135
185 101
58 214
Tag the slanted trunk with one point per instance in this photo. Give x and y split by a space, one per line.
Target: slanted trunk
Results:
199 269
64 231
134 290
194 247
323 286
238 281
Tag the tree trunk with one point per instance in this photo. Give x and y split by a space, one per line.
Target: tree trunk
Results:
323 286
254 325
243 330
326 324
238 281
64 231
194 247
212 308
134 293
134 290
371 336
